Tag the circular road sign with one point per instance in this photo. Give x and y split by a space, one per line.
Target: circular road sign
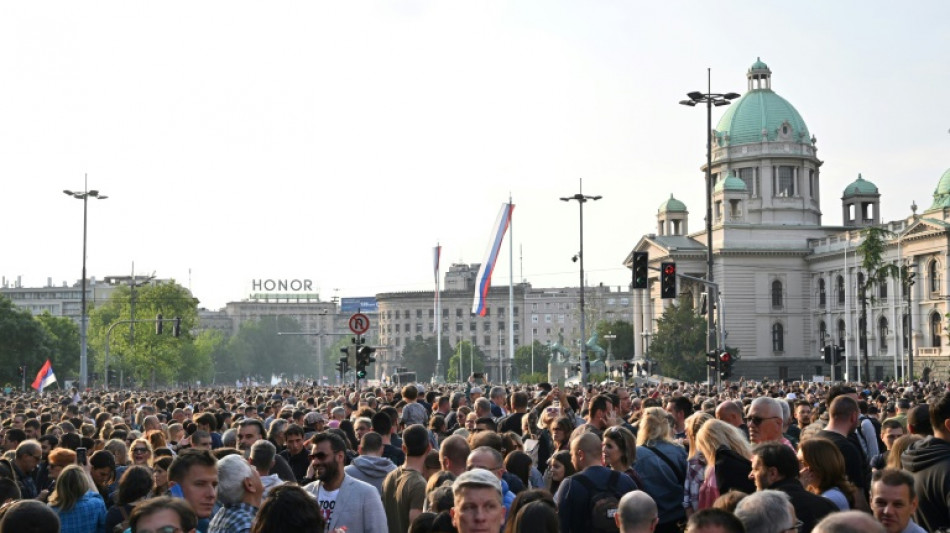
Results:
359 323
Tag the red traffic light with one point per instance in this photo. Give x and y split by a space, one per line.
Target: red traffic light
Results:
669 269
725 357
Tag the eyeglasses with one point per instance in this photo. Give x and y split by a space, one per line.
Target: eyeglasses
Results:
757 420
797 526
139 450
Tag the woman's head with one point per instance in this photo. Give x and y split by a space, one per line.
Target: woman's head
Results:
822 465
693 423
160 472
654 426
519 464
561 429
561 465
140 451
715 434
135 484
522 500
537 517
897 449
289 508
71 484
619 448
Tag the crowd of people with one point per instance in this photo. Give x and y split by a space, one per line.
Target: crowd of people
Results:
753 457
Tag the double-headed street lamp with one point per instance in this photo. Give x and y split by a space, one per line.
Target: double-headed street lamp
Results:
84 195
710 99
581 200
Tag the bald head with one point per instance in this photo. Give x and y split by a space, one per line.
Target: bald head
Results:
849 522
586 451
730 413
636 513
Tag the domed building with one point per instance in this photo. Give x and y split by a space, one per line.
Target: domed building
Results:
789 283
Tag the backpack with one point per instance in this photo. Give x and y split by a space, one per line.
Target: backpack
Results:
603 503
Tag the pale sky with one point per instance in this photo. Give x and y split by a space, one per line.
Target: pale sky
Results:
340 141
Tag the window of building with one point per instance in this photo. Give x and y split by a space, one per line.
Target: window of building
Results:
822 296
747 175
445 313
516 326
625 302
418 327
458 313
882 290
486 326
905 330
501 312
488 340
822 333
933 269
501 325
882 333
778 337
458 327
472 326
776 294
397 328
431 313
534 319
560 319
487 311
534 307
397 315
839 288
862 339
419 313
785 185
841 332
935 330
547 318
516 311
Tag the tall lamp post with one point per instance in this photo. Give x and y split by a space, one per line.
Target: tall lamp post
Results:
84 196
581 200
710 99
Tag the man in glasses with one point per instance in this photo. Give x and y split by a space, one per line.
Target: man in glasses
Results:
344 500
27 457
766 421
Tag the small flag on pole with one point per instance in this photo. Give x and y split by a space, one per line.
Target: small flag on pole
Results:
45 377
483 281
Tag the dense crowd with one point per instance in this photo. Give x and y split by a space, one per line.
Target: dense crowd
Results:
754 457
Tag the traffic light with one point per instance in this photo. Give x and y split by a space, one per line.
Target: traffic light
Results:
726 361
826 354
627 369
364 358
158 324
667 280
839 354
176 329
641 262
712 359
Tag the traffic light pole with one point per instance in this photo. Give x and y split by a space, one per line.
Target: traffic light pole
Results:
717 339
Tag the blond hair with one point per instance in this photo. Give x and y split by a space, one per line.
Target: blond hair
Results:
654 426
71 485
715 434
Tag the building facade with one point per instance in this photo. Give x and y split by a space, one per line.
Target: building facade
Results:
788 284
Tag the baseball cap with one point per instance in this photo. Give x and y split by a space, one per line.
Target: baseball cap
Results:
477 477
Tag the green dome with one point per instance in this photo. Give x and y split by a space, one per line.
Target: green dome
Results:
758 65
760 109
943 186
860 186
672 205
731 183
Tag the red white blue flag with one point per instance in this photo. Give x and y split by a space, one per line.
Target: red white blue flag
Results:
483 281
45 377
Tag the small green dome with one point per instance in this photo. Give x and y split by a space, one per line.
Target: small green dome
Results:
758 65
860 186
672 205
943 186
731 183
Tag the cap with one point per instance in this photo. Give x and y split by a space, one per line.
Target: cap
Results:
477 477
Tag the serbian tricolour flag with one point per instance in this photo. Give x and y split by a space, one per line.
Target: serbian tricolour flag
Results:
483 281
45 377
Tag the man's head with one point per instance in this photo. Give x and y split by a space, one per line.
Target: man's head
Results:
765 420
196 472
12 438
327 457
29 516
453 454
486 458
201 440
843 415
848 522
482 408
157 513
599 410
263 456
891 430
772 462
714 521
371 444
636 513
362 426
238 482
586 450
29 453
415 441
803 413
681 408
478 503
730 413
293 439
918 420
893 499
497 395
940 416
767 511
250 431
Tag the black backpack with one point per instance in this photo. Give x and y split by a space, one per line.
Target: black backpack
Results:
603 503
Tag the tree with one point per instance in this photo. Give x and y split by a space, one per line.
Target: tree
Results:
472 359
875 273
523 355
679 344
621 348
23 341
63 335
258 351
420 354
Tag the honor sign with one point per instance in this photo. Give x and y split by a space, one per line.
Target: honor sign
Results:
283 289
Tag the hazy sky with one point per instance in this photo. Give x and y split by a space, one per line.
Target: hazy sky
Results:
340 141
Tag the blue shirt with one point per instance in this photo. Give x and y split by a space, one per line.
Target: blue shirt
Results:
233 519
87 516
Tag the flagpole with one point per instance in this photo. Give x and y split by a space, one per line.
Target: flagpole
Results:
511 290
438 313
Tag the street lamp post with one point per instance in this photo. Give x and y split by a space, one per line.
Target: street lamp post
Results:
581 200
84 196
710 99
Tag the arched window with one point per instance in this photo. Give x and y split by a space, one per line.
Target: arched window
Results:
778 337
882 333
822 333
776 294
863 339
882 289
841 332
932 274
821 292
840 289
935 333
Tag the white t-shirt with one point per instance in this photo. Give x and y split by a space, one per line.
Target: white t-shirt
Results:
327 501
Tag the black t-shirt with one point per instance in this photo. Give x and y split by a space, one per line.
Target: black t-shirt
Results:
855 464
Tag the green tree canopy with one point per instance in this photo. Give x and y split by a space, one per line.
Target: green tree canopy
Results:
64 343
679 344
24 340
471 357
258 351
621 348
420 354
522 362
